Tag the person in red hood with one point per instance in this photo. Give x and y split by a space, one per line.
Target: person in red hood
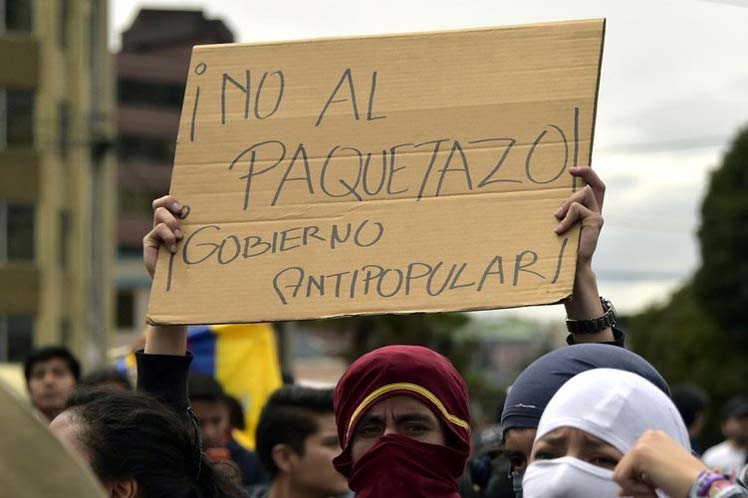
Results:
403 423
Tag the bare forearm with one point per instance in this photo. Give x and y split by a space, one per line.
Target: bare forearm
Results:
171 340
585 305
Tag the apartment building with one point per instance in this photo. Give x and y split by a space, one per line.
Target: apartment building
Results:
57 177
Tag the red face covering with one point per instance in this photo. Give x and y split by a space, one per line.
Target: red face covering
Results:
398 466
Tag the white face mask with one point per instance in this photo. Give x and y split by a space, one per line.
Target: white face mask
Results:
568 477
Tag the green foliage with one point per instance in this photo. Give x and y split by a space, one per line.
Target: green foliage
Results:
686 345
699 336
437 331
433 330
722 281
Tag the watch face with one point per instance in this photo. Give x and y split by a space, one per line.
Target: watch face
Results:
608 306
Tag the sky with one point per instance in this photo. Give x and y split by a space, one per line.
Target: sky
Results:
673 93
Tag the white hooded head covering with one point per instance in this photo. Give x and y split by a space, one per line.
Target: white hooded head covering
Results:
613 405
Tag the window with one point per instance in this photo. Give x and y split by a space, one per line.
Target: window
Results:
16 117
64 231
150 93
17 15
16 232
137 202
97 51
64 18
63 110
66 332
132 147
16 337
125 309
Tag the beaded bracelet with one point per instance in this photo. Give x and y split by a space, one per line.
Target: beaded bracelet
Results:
708 485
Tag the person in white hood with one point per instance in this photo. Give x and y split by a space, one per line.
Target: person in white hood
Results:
589 424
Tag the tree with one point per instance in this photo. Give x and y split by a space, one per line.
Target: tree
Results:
438 331
685 344
699 336
433 330
721 283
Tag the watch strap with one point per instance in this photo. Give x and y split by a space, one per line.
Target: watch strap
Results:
592 326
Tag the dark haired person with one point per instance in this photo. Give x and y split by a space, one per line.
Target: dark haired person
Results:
296 442
209 403
106 378
236 414
51 372
691 401
731 454
138 448
146 443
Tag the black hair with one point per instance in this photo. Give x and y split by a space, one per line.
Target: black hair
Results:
690 401
288 378
106 375
204 388
236 413
736 406
289 418
131 435
47 353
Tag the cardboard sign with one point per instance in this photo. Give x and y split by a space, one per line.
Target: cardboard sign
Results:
35 463
393 174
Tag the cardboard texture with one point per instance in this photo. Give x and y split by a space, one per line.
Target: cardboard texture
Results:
35 463
392 174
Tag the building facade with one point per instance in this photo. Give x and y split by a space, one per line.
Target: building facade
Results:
57 177
151 74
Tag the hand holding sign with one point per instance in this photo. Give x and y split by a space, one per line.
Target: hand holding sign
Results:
166 231
585 205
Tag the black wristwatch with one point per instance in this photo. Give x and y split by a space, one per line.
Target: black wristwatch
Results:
596 324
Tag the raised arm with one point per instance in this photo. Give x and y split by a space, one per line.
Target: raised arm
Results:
166 232
585 207
163 367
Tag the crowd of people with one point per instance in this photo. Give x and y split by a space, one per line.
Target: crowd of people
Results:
591 419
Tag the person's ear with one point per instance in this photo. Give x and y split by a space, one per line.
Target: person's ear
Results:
284 457
127 488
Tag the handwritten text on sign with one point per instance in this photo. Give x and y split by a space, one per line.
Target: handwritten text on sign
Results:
387 174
